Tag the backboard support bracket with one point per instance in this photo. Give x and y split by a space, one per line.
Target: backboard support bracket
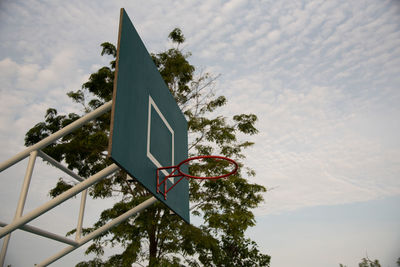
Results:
21 221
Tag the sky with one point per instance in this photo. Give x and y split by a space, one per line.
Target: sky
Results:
322 77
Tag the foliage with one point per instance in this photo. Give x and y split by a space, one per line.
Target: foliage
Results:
366 262
156 236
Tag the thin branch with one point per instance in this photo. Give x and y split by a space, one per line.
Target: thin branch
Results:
129 186
198 140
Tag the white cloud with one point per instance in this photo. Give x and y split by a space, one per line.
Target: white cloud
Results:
312 152
231 7
274 35
29 89
215 50
242 37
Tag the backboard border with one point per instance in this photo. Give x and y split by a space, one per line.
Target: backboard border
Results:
114 95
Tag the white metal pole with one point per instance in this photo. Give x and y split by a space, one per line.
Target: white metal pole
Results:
57 164
81 213
58 200
4 250
50 139
99 231
38 231
21 201
25 186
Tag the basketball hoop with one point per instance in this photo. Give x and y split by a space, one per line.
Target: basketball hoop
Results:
176 172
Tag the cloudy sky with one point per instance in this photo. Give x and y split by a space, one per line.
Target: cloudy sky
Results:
322 77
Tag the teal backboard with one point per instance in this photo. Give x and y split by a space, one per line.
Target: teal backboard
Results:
148 129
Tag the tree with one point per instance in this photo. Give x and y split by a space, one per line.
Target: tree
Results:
366 262
156 236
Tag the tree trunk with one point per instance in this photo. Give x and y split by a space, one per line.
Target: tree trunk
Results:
152 247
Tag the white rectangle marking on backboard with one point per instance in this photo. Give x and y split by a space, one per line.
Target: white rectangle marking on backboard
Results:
149 155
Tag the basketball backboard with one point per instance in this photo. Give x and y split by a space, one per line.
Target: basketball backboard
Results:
148 129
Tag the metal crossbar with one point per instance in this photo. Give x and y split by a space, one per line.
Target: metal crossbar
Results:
99 231
20 221
44 233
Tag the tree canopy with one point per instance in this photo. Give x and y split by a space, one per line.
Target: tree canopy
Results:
366 262
156 237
